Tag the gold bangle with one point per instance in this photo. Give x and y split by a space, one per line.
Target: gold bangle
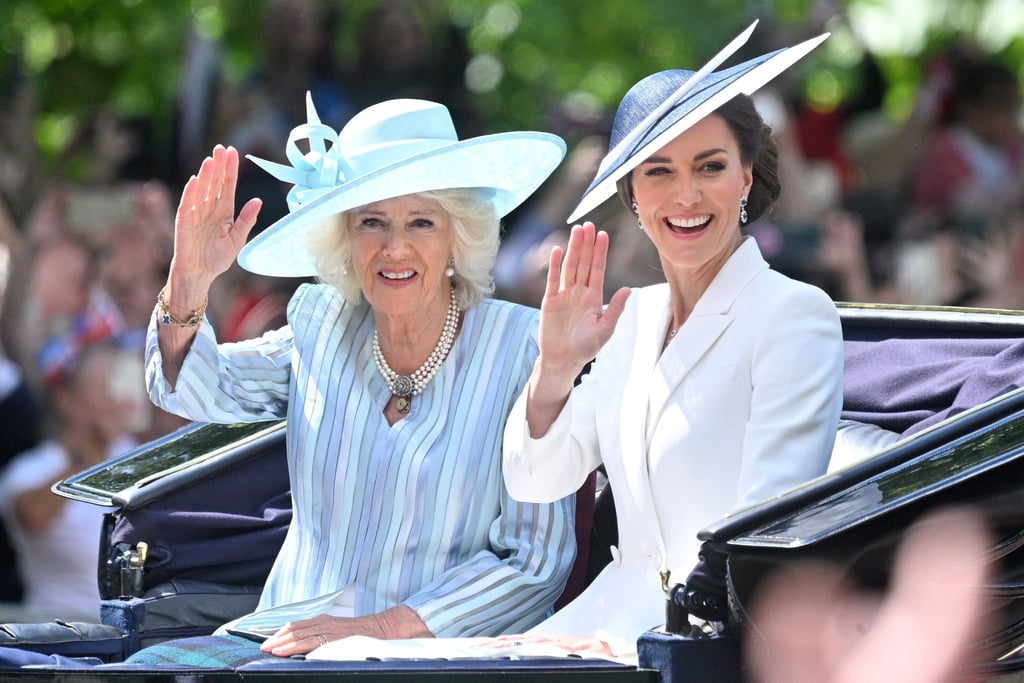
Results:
191 322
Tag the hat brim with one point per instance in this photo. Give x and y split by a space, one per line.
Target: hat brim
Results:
508 166
716 89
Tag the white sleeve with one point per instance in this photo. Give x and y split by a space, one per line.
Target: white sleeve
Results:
549 468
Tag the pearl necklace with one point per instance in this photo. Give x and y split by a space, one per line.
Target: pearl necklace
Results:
404 387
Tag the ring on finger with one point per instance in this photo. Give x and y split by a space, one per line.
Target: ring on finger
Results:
322 639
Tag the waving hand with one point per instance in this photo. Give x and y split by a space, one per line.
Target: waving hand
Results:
574 323
207 236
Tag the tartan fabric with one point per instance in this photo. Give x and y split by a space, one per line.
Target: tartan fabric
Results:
202 651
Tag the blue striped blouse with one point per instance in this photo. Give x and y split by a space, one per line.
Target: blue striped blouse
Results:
415 513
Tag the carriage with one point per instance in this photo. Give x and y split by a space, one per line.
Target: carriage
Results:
195 519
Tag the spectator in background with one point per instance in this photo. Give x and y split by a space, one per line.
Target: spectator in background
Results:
19 416
52 294
424 59
973 170
54 537
254 115
968 196
935 213
88 257
19 431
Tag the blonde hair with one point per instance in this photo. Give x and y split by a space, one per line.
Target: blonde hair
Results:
474 233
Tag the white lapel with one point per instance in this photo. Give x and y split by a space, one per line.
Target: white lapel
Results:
709 319
636 362
651 380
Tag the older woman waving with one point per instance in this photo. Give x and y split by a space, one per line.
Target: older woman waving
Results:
396 374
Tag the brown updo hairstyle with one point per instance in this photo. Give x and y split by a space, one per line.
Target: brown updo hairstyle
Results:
757 147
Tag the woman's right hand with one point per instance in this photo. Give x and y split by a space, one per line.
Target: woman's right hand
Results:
574 323
207 236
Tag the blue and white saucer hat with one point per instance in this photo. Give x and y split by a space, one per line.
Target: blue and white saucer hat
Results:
664 104
390 149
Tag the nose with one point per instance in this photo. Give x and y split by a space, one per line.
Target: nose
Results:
395 243
687 191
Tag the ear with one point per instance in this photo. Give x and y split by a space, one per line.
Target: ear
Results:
748 178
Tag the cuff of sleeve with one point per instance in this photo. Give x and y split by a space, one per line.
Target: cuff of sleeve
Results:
528 462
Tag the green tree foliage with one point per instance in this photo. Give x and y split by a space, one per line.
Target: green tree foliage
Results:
530 58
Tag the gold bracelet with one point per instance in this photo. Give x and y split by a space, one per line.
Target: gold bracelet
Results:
191 322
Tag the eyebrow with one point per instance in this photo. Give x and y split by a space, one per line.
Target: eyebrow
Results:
698 157
379 212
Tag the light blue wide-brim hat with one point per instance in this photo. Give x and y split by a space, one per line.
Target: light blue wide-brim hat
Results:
663 105
390 149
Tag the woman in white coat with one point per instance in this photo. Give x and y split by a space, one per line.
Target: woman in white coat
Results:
712 391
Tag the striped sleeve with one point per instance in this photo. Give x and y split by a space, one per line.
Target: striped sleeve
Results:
510 587
245 381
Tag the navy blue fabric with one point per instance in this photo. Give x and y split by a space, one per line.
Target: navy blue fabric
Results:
225 529
679 659
15 658
906 385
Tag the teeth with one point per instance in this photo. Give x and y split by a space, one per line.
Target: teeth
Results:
403 275
689 222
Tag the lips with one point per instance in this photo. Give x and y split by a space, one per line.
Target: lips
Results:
688 225
397 275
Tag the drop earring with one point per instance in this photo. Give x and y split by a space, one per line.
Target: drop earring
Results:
345 264
743 210
450 270
636 210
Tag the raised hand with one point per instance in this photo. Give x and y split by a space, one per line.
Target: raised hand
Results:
207 239
574 323
207 236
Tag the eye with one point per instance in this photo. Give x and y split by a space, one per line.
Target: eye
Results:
713 167
655 171
370 223
422 224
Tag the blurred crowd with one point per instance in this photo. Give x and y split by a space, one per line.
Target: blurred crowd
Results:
928 210
924 210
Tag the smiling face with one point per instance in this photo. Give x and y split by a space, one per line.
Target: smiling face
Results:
400 250
688 197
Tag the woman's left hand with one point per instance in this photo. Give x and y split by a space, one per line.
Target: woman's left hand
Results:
300 637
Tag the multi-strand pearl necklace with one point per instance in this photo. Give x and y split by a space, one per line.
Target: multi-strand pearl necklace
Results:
404 387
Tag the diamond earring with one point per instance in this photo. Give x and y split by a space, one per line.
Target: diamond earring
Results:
636 210
743 210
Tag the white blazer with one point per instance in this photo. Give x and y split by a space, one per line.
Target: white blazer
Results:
742 405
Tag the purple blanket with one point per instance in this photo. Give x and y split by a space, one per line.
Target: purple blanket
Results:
906 385
224 529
